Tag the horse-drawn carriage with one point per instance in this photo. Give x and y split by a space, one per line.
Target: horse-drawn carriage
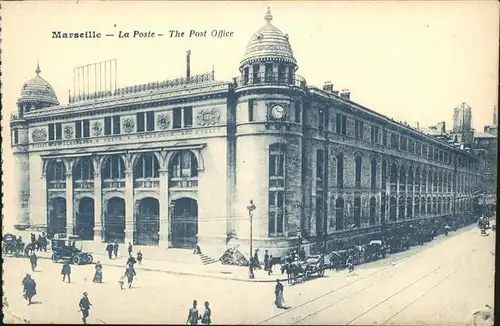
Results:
65 248
397 244
13 245
300 271
375 250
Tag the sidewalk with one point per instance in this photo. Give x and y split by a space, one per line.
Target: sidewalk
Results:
216 270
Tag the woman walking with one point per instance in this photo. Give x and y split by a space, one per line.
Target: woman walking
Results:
130 273
206 319
29 288
98 273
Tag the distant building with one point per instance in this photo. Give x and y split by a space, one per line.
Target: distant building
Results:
462 118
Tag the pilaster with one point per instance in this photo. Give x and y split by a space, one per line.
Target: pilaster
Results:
69 203
164 234
129 207
98 216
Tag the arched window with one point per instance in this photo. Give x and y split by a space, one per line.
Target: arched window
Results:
429 181
357 212
320 169
339 213
424 180
402 208
56 171
357 182
340 170
83 169
394 178
435 182
409 207
402 178
384 175
417 180
429 206
114 168
276 218
410 179
434 206
184 165
382 208
147 167
374 173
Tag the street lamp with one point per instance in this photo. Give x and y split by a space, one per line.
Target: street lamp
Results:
251 208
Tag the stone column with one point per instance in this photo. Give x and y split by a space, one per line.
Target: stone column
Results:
98 217
129 207
69 204
164 234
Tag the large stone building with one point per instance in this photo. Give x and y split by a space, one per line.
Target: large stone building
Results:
170 162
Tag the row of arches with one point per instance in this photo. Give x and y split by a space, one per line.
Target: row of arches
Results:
183 212
183 164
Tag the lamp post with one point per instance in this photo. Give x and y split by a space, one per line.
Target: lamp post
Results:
251 208
171 207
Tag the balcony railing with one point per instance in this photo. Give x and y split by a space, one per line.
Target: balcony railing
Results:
183 182
57 184
270 79
147 183
84 184
113 183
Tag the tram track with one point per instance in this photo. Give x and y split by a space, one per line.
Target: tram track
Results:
302 312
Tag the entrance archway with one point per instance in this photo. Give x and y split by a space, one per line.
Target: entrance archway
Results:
184 223
57 216
148 222
115 220
85 219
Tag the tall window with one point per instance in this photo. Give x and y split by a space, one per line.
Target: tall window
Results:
114 168
374 173
150 121
107 126
188 117
339 213
246 76
321 118
177 118
384 175
78 129
182 117
58 131
250 110
184 165
116 125
281 73
340 170
15 138
374 134
82 128
83 170
86 128
140 121
276 219
298 111
384 138
357 182
256 74
341 126
147 166
358 128
404 143
357 212
51 131
269 72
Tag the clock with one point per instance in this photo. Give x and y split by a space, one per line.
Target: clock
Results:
278 112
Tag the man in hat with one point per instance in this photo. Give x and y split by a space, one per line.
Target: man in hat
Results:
33 261
84 307
29 288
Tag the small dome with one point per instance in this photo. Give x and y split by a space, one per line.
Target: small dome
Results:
38 90
268 43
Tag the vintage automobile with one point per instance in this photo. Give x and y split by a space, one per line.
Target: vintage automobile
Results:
65 248
304 270
375 250
13 245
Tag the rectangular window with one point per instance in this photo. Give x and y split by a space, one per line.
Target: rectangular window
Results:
403 144
374 134
51 131
116 125
276 219
245 76
86 128
298 112
250 110
321 118
107 126
344 125
340 171
140 121
78 129
256 74
188 117
384 138
16 137
150 121
358 129
58 131
269 73
341 126
177 117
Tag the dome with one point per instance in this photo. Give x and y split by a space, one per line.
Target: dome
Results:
38 90
268 43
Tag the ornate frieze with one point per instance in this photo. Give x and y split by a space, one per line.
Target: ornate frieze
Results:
208 117
96 128
39 135
68 132
163 122
128 125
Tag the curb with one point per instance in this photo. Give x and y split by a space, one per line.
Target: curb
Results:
148 269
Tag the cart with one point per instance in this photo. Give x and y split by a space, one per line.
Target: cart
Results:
13 245
375 250
66 248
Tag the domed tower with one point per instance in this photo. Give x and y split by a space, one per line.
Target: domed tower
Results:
268 56
36 94
265 157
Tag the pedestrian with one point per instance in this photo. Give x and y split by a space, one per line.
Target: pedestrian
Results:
270 264
129 249
121 282
207 314
115 248
193 314
139 257
256 259
29 288
131 261
278 292
66 271
130 273
33 261
109 249
266 260
84 307
350 263
98 273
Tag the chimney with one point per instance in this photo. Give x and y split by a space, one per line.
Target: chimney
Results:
346 94
188 64
328 87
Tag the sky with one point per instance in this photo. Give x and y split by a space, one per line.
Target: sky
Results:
412 61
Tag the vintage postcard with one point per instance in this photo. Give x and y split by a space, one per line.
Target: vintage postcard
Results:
275 163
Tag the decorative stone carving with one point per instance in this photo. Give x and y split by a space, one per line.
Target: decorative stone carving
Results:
208 117
96 128
68 132
128 125
163 122
39 135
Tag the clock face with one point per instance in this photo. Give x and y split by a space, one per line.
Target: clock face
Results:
278 112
